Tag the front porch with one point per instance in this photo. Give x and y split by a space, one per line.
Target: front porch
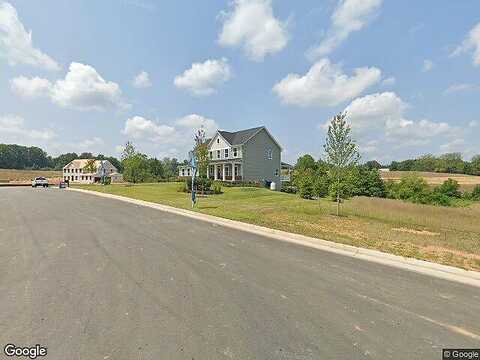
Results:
227 171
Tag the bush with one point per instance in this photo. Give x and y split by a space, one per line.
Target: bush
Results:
414 188
106 180
449 188
475 195
321 185
200 184
217 187
182 187
305 185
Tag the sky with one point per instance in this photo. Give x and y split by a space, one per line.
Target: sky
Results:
91 75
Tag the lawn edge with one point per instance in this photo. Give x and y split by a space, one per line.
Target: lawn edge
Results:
420 266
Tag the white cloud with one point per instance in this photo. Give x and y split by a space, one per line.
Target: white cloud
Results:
13 129
382 116
89 144
83 89
427 65
16 44
204 78
349 16
473 124
461 87
174 138
325 85
195 122
389 81
139 127
456 145
31 87
252 24
142 80
471 43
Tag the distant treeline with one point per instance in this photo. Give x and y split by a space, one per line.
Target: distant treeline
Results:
452 163
32 157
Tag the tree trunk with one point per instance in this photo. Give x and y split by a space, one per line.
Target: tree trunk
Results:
338 202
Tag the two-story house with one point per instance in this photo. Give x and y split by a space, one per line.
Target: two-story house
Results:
246 155
75 171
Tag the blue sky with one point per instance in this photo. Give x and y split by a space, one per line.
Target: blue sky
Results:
90 75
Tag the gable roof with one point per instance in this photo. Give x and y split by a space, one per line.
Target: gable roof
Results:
81 163
239 137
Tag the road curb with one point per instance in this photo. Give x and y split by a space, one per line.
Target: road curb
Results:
420 266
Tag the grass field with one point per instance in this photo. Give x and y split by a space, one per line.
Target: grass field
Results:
467 182
445 235
26 175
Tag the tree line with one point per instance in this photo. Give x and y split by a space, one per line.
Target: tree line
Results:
452 163
141 167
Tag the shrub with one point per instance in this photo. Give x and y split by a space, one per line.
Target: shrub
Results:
321 185
200 183
475 195
414 188
438 198
106 180
217 187
305 185
449 188
182 187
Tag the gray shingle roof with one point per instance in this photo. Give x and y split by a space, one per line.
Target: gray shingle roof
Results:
239 137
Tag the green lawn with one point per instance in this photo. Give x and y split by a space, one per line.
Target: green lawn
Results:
445 235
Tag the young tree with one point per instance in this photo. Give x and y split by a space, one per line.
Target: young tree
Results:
203 160
128 151
341 150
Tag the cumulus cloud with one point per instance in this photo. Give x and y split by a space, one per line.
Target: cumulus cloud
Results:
427 65
91 144
31 87
173 138
349 16
195 122
142 80
379 121
14 129
252 24
325 84
471 43
82 89
16 44
204 78
139 127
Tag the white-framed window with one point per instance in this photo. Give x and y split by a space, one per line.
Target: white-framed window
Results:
269 154
183 172
276 172
235 152
218 154
218 141
226 153
211 154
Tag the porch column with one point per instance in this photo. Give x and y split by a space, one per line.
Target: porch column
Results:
223 172
233 172
208 171
215 172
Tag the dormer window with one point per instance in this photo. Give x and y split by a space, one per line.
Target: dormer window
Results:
218 141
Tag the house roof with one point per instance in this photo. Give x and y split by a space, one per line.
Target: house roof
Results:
239 137
286 165
81 163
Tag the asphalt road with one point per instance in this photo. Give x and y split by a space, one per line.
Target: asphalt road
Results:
94 278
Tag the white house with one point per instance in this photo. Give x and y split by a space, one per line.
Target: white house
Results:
74 171
245 155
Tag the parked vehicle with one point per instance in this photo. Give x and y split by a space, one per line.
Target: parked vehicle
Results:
40 181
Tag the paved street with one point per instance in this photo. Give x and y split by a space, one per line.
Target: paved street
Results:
94 278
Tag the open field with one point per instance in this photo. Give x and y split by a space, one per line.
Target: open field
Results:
13 175
467 182
445 235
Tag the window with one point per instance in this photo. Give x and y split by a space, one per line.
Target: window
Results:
218 141
211 155
269 154
218 154
276 172
183 172
235 152
226 153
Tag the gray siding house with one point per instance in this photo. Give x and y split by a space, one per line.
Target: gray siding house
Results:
246 155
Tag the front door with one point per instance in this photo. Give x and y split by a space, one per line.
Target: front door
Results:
219 171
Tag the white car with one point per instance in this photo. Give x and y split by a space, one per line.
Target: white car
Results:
40 181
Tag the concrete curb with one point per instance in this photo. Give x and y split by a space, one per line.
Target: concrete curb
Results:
420 266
